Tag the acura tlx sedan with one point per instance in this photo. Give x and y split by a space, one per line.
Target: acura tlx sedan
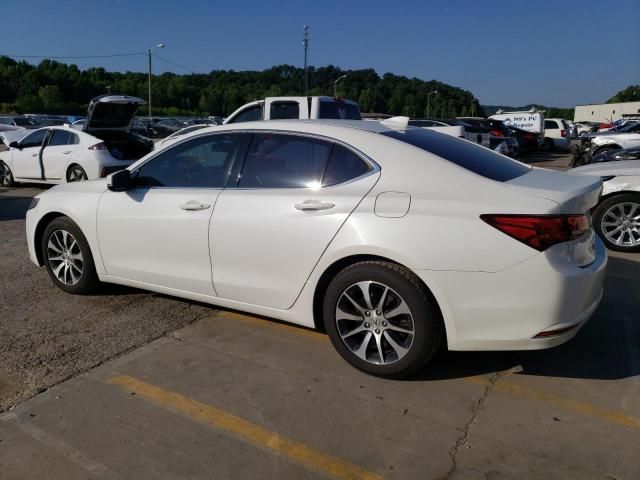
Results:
393 239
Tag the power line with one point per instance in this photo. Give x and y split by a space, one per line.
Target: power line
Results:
74 56
174 63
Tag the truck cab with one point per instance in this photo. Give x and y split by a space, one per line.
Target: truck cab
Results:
304 108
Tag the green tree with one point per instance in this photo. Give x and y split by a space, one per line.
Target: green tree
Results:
629 94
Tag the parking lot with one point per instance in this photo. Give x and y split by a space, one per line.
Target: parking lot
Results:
131 384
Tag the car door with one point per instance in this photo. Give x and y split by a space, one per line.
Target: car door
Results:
27 159
158 231
268 231
58 152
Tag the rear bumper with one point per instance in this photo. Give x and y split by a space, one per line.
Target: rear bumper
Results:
506 310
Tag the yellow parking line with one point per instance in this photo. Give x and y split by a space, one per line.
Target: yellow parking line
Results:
565 403
245 430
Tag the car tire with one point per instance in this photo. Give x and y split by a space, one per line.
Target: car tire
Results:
600 150
67 257
617 222
6 177
394 340
548 145
76 173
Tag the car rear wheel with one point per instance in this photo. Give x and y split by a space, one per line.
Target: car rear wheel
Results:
68 258
617 222
381 319
6 177
76 174
548 145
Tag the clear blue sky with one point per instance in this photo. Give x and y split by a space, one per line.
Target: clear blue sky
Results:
512 52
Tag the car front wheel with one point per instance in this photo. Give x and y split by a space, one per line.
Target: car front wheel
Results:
381 319
67 257
617 222
6 177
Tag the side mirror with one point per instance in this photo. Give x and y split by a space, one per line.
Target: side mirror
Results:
119 181
15 144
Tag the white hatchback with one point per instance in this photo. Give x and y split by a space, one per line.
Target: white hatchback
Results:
393 239
65 154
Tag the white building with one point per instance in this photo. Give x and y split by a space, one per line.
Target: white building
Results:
606 112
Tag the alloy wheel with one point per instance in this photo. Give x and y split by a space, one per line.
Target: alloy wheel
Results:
65 257
375 322
621 224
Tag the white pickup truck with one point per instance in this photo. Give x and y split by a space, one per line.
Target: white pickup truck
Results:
304 108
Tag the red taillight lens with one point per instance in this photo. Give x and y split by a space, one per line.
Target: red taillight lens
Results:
98 146
529 136
496 133
563 133
540 231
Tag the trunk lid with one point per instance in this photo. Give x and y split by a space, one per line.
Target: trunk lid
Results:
575 195
111 112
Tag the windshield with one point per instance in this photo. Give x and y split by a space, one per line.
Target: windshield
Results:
630 127
468 155
23 122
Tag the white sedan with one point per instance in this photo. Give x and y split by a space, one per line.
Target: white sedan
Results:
617 218
64 154
392 238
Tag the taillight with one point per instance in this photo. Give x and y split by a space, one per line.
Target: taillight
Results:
98 146
562 133
540 231
496 133
529 136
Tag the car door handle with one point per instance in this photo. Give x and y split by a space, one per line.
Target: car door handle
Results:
314 205
194 205
67 152
34 154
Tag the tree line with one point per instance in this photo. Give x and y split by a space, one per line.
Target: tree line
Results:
59 88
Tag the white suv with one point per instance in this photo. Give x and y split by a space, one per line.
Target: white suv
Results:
556 134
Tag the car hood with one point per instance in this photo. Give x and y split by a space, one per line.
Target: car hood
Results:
617 168
111 112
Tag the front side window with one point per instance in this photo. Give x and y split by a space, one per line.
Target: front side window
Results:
249 115
34 140
284 161
284 110
202 162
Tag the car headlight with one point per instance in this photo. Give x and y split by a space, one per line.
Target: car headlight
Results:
34 202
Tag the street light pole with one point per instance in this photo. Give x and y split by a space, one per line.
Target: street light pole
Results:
473 105
335 84
160 45
429 103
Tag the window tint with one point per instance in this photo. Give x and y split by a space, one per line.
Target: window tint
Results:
465 154
35 139
550 125
5 121
341 110
202 162
282 110
249 115
284 161
343 165
60 137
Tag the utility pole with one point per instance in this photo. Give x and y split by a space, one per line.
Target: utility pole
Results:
305 44
335 84
429 103
160 45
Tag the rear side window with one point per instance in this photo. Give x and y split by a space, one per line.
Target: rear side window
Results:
477 159
550 125
248 115
284 110
60 137
339 110
344 165
284 161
